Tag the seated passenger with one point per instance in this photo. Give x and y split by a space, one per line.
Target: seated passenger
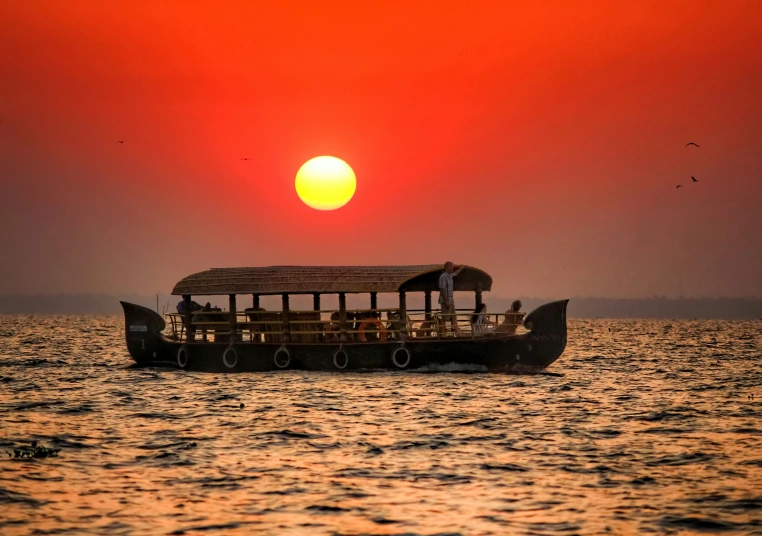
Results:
480 321
193 307
426 329
393 324
359 317
332 328
513 319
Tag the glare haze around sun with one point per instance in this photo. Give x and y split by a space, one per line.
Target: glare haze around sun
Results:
325 183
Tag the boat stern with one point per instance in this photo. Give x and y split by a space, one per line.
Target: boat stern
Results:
143 328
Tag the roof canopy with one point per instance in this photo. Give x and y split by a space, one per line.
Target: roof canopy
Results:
326 280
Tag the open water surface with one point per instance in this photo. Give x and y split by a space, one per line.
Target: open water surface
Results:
648 428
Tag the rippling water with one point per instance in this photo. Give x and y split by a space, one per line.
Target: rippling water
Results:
649 426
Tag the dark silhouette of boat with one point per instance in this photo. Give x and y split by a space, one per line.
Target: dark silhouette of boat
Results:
205 339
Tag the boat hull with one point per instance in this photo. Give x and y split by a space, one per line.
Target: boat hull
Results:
530 352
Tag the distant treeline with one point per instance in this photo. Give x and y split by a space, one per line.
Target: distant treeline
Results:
656 307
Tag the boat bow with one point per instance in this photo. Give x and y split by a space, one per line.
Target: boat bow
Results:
547 331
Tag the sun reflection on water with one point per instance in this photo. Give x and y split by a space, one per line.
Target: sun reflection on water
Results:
650 427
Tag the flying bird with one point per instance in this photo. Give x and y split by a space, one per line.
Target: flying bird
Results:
694 179
120 141
245 159
678 186
691 143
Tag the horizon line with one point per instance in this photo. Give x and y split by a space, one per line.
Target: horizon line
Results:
116 296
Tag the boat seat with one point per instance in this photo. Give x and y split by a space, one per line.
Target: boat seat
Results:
305 321
267 325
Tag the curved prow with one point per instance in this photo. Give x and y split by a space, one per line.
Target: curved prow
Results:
549 318
142 328
547 330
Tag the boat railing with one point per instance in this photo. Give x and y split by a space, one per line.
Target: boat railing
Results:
362 325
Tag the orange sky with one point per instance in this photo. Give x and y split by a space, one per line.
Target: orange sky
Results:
542 143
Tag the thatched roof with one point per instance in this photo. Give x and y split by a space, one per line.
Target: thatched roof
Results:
325 280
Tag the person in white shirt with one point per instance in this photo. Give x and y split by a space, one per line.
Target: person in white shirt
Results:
446 288
480 321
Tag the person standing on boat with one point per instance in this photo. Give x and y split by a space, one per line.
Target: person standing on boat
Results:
446 299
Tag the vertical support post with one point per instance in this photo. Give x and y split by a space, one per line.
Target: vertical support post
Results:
374 303
232 318
190 334
403 315
478 294
286 323
427 304
342 317
255 301
316 301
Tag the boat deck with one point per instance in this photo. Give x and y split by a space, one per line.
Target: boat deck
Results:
363 325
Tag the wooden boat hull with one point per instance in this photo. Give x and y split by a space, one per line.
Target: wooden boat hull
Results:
530 352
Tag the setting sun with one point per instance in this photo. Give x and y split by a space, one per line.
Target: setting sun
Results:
325 183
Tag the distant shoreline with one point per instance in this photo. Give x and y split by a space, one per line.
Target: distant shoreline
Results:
579 307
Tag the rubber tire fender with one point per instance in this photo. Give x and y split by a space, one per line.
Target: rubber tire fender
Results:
336 358
225 354
182 357
407 360
280 350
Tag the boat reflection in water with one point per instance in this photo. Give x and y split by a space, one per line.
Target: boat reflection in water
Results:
334 340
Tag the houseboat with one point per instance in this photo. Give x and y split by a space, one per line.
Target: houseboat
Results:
254 339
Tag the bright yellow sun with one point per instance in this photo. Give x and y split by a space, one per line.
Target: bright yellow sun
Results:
325 183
